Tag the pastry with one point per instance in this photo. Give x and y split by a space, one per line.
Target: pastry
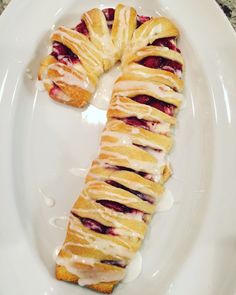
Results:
108 222
125 22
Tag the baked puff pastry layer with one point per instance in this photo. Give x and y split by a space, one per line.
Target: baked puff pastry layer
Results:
108 221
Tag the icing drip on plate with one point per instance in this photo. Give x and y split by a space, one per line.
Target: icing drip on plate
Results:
134 269
101 98
49 202
58 222
166 201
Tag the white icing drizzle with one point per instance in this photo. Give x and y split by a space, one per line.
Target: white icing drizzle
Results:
111 195
156 127
122 35
160 156
129 87
58 222
120 228
110 22
83 259
137 165
106 246
108 214
125 139
102 96
162 127
138 70
134 269
121 139
39 85
88 18
81 172
49 202
136 186
166 201
80 69
56 252
153 167
90 276
148 34
85 48
135 130
71 78
155 31
28 73
104 39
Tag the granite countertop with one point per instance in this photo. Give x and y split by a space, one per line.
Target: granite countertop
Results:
228 6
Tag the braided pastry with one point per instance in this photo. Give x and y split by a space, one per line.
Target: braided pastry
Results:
108 222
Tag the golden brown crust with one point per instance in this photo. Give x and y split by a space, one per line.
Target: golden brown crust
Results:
139 136
63 274
109 220
136 70
76 90
132 86
123 27
100 36
147 33
126 178
154 51
123 107
90 57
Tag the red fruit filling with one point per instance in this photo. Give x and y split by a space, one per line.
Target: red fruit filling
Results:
63 54
142 123
166 42
142 196
133 121
95 225
82 28
55 90
141 19
158 62
109 15
117 206
164 107
143 174
119 263
145 147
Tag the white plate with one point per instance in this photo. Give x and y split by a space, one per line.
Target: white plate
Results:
190 249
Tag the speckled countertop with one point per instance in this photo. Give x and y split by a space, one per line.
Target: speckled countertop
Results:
229 7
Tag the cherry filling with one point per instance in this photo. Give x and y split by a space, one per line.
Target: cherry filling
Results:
165 107
119 263
146 147
109 15
158 62
117 206
142 123
95 225
142 196
143 174
141 19
166 42
82 28
63 54
133 121
55 90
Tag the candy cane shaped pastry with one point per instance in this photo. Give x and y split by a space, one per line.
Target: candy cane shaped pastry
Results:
108 221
